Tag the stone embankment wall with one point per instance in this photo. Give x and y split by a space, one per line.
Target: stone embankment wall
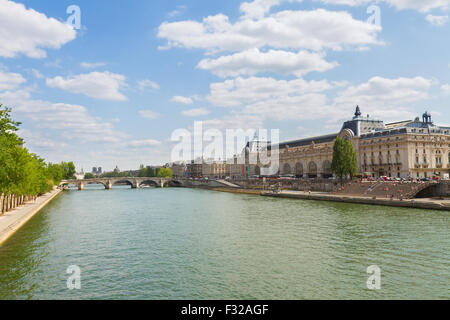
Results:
320 185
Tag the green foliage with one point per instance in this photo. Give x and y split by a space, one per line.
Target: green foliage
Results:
165 173
89 175
116 174
21 172
350 160
344 159
68 170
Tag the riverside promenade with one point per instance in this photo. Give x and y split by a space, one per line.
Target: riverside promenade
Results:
11 221
428 203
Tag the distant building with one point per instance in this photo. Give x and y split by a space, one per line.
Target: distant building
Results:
97 171
214 169
179 170
116 169
194 170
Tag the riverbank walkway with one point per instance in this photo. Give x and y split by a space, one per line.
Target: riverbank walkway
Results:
428 203
11 221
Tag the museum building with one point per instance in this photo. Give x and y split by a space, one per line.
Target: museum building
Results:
408 149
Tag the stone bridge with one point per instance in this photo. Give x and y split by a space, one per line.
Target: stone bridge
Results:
134 182
429 190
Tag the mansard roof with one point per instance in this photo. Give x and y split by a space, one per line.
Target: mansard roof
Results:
308 141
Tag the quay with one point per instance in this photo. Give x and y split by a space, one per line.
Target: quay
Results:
425 203
12 221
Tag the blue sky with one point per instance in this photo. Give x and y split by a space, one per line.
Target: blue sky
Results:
112 92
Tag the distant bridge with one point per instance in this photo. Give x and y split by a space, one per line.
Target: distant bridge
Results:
134 182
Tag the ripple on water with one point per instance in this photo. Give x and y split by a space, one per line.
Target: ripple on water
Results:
196 244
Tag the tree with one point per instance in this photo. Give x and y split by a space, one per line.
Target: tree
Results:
23 173
165 173
68 170
344 159
8 127
337 164
350 160
150 172
89 175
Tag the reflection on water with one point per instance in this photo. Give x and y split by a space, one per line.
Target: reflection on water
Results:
196 244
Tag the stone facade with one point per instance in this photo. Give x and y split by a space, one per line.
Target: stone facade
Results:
179 170
214 169
408 149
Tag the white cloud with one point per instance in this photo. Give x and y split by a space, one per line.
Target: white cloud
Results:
37 141
241 91
149 114
178 11
437 20
446 89
98 85
380 91
253 61
147 84
385 98
73 121
143 143
26 31
10 81
37 74
182 100
258 8
285 29
196 112
235 120
420 5
92 65
268 98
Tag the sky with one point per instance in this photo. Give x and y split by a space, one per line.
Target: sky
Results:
109 86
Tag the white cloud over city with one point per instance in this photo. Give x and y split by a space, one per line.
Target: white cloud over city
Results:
265 63
28 32
98 85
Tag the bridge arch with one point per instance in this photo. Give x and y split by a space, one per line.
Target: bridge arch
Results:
430 190
175 183
96 182
150 182
124 181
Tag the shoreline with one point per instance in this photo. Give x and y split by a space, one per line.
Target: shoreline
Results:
423 203
12 221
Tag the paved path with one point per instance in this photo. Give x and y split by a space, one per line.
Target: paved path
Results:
11 221
323 196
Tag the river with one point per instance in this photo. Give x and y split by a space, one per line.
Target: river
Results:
178 243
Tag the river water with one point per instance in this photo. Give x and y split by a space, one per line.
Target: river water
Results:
180 243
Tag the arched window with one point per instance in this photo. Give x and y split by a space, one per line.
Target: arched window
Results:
327 167
299 169
287 169
312 169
